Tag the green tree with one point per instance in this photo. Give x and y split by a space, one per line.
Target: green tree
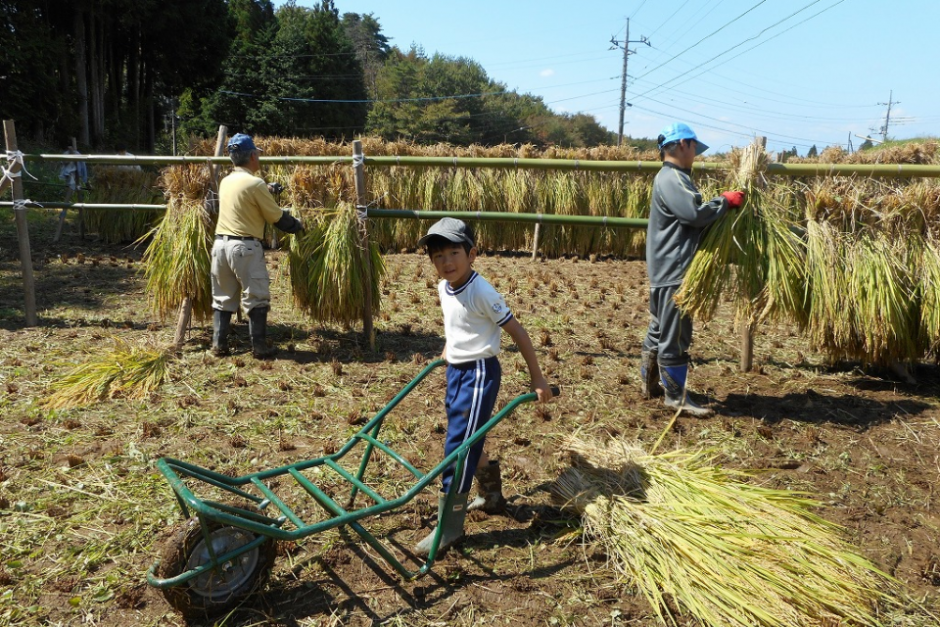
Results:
291 72
812 152
372 48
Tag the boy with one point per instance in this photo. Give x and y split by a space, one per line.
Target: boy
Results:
474 313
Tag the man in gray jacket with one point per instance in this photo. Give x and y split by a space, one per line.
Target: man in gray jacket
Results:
678 217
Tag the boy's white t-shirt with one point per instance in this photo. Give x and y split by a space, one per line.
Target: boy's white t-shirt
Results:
473 316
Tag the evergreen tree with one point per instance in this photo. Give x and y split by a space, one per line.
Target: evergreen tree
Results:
812 152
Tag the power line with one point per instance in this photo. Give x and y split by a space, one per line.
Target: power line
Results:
754 46
705 37
319 100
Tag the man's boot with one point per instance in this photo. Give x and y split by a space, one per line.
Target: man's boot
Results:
649 374
450 521
490 490
674 378
221 324
257 329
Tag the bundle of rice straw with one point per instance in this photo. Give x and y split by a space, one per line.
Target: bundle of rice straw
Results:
178 260
699 540
754 253
126 372
930 294
327 266
120 186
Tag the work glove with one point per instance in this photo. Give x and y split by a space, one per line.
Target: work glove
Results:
275 188
735 198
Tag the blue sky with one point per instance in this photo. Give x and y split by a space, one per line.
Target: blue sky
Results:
800 72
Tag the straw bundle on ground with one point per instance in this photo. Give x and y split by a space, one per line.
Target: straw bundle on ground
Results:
122 186
178 259
754 254
700 541
327 267
126 372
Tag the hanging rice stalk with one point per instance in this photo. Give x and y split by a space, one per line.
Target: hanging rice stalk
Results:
698 540
121 186
327 267
828 324
762 245
881 299
126 372
930 295
177 261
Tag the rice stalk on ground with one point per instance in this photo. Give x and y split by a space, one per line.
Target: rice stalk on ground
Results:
126 372
702 541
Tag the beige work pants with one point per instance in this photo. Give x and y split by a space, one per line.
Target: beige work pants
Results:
239 275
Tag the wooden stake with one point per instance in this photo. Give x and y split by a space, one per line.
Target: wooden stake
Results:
535 243
22 233
186 307
359 169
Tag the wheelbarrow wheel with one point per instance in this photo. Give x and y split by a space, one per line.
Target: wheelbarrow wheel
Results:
217 590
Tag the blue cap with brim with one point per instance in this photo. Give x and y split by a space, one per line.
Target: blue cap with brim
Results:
676 131
241 143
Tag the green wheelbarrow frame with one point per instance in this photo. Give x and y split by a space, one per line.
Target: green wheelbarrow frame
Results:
267 527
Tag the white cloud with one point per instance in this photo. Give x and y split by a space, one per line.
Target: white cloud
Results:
547 73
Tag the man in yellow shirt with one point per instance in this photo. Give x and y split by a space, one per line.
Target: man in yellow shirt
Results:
239 274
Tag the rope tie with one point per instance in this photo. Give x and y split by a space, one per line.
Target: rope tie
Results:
358 161
8 173
20 205
538 218
362 212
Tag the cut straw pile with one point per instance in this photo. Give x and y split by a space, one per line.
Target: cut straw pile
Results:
126 372
699 540
328 268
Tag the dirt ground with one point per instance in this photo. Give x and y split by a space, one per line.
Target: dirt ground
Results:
83 510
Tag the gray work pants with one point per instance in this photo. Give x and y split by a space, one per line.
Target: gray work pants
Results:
670 331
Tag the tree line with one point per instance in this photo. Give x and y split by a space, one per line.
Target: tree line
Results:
111 72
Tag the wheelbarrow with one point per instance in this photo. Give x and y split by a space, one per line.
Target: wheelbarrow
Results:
225 549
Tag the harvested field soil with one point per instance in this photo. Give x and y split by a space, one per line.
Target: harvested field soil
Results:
83 510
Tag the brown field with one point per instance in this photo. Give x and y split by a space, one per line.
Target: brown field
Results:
83 511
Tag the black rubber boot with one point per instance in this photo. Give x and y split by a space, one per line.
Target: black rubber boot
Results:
221 324
649 374
452 523
490 490
258 330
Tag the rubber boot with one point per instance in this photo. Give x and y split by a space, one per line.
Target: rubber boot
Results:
452 522
674 378
221 324
490 490
257 329
649 374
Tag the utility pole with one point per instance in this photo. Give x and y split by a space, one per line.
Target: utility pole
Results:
625 45
884 129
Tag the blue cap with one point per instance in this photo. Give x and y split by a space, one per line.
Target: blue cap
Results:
676 131
241 143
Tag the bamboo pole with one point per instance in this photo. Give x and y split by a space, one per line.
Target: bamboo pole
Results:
497 216
878 170
535 240
22 233
360 173
186 307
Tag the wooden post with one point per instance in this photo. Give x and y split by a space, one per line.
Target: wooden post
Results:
359 168
186 307
535 243
747 329
22 233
